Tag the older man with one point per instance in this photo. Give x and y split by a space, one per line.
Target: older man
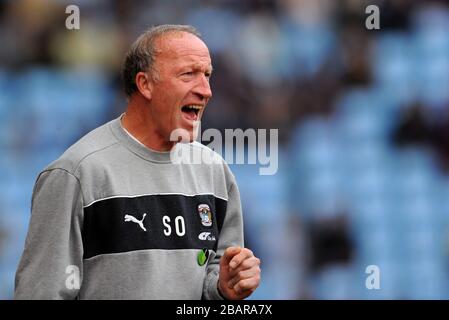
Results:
115 218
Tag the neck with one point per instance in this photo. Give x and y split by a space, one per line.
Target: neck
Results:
137 122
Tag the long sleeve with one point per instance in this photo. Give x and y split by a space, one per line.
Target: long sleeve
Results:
51 264
231 235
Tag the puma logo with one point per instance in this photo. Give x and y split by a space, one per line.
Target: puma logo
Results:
133 219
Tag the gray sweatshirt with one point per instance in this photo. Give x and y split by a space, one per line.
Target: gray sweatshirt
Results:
112 219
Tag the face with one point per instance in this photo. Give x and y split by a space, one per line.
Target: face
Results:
182 91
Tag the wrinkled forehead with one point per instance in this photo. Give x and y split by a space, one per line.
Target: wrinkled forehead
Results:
183 46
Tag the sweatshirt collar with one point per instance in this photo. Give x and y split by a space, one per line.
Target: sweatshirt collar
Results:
135 146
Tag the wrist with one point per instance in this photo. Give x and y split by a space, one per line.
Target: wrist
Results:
220 293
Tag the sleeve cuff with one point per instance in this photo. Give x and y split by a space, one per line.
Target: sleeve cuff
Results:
212 287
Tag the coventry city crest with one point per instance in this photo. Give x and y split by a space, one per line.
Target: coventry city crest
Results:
205 215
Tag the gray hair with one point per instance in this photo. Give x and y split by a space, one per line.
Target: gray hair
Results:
142 54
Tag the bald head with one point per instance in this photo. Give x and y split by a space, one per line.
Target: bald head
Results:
143 52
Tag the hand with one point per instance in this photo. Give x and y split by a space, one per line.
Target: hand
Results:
239 273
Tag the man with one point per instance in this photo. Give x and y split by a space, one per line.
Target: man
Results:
115 218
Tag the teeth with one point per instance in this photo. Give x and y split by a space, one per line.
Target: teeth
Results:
194 107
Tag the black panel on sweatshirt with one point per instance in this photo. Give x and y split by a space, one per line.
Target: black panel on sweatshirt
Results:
118 224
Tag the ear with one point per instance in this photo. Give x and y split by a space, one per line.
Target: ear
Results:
144 84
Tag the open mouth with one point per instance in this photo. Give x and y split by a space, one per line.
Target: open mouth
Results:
191 112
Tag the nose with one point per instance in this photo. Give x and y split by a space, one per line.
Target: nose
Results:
202 89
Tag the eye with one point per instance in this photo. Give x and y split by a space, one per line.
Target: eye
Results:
188 73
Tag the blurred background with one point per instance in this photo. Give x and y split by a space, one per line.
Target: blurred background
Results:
363 119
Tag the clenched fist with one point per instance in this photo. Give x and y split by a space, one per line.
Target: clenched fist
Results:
239 273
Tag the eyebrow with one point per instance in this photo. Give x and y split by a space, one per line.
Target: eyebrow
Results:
198 66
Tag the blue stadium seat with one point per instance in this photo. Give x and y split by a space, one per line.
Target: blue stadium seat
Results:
425 279
364 115
220 35
335 283
305 49
393 65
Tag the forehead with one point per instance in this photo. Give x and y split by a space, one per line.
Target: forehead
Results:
183 48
